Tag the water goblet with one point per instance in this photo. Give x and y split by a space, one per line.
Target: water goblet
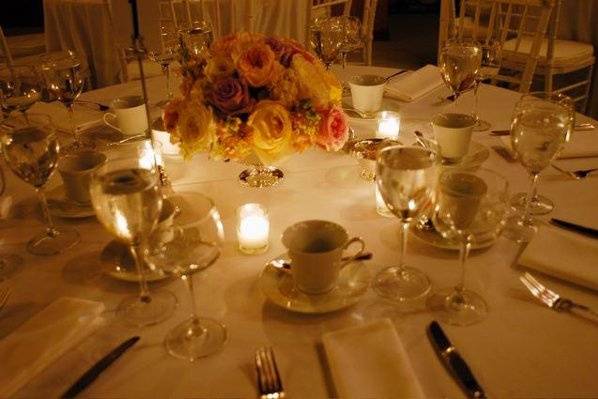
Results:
20 88
489 68
30 149
126 197
541 124
459 65
405 177
469 207
327 40
64 80
190 247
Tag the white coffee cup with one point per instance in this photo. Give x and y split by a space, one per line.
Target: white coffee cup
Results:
453 134
76 170
129 115
367 92
316 251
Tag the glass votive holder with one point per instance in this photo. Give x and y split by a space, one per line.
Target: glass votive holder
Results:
381 207
253 228
389 125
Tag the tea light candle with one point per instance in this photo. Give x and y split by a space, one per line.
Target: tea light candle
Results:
253 228
389 124
381 207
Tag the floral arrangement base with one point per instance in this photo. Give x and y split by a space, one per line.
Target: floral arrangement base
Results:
261 176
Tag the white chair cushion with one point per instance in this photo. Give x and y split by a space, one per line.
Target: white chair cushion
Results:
565 51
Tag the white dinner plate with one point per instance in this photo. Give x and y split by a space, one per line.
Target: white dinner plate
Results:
118 263
278 286
60 206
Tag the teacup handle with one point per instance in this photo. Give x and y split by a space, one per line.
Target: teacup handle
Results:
351 258
110 115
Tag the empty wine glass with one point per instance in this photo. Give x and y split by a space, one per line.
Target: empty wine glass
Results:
489 67
541 124
190 247
405 177
30 149
165 55
469 207
353 40
459 65
198 37
20 88
327 39
64 80
127 201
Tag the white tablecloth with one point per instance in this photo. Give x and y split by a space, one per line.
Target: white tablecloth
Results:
521 350
85 26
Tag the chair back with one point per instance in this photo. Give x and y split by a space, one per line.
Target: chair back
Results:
518 25
367 28
5 55
327 8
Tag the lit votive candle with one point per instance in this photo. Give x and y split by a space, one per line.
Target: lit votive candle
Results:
389 124
253 228
381 207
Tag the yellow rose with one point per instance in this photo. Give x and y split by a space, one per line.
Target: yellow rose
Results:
271 131
194 130
316 83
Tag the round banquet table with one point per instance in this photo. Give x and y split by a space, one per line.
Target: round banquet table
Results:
522 349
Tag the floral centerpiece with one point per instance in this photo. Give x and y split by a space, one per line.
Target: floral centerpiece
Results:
251 96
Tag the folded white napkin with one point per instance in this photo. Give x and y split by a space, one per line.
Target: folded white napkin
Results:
415 85
581 145
44 338
369 361
82 115
563 254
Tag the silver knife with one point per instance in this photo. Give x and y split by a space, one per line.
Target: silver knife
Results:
90 375
453 361
588 231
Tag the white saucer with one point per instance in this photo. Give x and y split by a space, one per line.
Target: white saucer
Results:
63 207
434 238
117 262
278 286
388 104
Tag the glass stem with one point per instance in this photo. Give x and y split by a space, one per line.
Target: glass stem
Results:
71 111
463 255
476 101
138 257
533 192
50 228
189 281
403 241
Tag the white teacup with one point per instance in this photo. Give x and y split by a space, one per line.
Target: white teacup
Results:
453 134
367 92
316 250
76 170
129 115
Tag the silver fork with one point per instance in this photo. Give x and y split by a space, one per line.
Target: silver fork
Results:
268 378
551 298
4 294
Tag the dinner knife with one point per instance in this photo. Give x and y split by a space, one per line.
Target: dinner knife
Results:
453 361
575 227
94 372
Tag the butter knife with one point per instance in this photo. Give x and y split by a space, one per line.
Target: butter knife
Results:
575 227
90 375
453 361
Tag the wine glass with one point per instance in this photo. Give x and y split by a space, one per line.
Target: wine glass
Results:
459 65
64 80
541 124
20 88
539 205
489 67
405 177
327 39
192 246
165 55
198 37
30 149
353 39
127 201
470 207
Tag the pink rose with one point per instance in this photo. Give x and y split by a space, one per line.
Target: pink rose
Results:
334 129
231 95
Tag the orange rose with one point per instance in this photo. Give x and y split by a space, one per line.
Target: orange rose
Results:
257 64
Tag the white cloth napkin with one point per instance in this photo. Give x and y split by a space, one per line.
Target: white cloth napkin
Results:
415 85
563 254
369 361
581 145
82 115
44 338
